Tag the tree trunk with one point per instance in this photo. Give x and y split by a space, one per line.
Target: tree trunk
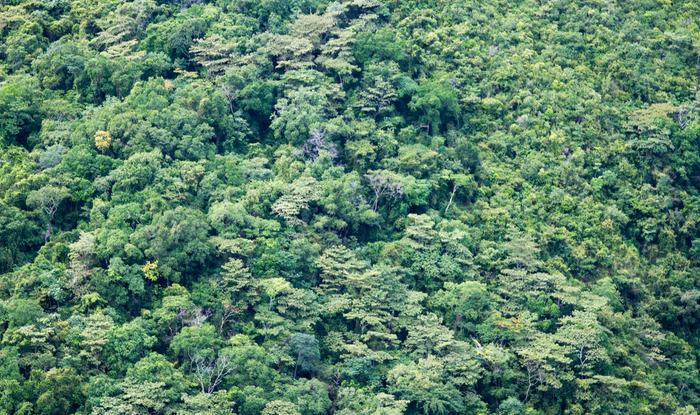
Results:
452 196
47 235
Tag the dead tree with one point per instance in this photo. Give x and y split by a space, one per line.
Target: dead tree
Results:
383 184
210 372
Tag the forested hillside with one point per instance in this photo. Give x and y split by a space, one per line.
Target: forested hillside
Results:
376 207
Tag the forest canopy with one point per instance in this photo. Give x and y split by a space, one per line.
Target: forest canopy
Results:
375 207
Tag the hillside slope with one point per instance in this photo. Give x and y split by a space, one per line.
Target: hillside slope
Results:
304 207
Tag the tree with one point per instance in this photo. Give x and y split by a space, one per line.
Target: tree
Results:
48 199
316 143
103 140
466 304
296 199
214 53
428 337
178 240
310 396
197 340
127 344
240 290
545 363
586 336
383 85
19 97
422 383
17 312
302 111
210 372
305 348
339 267
384 184
366 402
436 103
252 364
206 404
133 399
58 391
153 384
279 407
20 233
90 335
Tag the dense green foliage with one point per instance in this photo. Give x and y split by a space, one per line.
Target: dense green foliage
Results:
306 207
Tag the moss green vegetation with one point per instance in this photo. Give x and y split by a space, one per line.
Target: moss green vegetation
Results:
374 207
